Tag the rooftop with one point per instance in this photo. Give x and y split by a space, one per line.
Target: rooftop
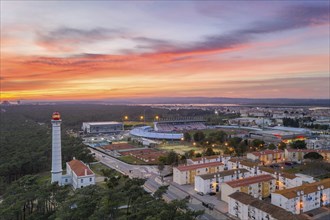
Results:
103 123
222 173
206 158
198 166
274 211
272 171
306 188
79 168
249 180
259 153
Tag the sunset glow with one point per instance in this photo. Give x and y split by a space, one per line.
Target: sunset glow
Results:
71 50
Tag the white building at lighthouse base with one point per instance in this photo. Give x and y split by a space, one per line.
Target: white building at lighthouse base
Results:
78 174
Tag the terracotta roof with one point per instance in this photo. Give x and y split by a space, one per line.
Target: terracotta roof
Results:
79 168
306 188
308 150
248 163
274 211
222 173
207 158
197 166
242 197
272 171
259 153
243 162
249 180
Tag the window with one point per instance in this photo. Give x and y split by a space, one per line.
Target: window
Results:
90 179
82 180
66 180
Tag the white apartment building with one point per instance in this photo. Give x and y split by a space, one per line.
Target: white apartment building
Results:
303 198
211 182
246 207
267 157
235 163
185 174
257 186
283 180
209 159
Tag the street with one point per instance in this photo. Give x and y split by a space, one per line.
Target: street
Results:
175 191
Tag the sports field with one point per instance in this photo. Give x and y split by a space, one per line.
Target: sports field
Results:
181 149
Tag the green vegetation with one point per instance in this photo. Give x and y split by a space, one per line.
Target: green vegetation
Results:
132 160
33 198
26 146
313 156
298 144
316 168
180 149
25 189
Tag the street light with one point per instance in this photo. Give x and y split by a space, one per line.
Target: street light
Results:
141 117
157 117
126 117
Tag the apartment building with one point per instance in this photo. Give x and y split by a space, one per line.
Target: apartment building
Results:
244 206
283 180
267 157
211 182
185 174
258 186
303 198
209 159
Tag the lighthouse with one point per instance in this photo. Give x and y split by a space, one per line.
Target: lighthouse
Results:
56 148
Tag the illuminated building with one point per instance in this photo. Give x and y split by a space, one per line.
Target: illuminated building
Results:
303 198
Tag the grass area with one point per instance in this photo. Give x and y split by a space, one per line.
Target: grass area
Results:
180 149
133 123
319 169
97 167
132 160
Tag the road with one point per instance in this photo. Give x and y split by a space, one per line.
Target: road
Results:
174 191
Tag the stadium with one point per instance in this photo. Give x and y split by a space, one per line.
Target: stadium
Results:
168 129
180 125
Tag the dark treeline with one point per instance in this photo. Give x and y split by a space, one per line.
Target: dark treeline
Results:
25 145
74 115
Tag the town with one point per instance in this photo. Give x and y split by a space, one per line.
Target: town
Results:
251 165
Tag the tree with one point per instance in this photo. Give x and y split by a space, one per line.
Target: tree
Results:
271 146
209 151
259 144
172 158
199 136
313 156
187 136
282 146
298 144
217 136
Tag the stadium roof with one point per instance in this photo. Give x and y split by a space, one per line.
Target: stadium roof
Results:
147 132
103 123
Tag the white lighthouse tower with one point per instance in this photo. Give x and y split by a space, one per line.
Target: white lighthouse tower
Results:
56 148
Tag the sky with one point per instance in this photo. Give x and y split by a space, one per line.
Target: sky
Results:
104 50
